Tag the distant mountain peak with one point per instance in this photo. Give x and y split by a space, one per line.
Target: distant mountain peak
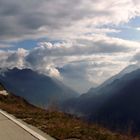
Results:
126 70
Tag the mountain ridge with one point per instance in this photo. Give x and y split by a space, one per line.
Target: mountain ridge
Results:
36 88
114 105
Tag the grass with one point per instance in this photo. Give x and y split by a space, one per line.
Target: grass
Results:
57 124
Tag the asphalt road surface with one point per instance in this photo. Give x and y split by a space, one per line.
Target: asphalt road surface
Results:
11 131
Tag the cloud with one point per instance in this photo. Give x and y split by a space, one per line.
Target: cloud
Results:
136 58
85 53
34 19
16 59
5 45
138 29
97 44
11 59
84 63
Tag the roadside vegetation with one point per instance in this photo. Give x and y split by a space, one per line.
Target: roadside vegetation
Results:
57 124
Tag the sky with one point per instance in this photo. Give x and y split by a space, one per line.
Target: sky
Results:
80 42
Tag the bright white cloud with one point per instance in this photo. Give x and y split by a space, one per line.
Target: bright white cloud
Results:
138 28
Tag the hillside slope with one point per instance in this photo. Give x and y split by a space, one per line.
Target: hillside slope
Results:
115 105
36 88
121 110
57 124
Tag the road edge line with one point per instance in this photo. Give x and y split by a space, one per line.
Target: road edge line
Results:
26 128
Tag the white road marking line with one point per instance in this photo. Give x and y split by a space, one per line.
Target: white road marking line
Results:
33 133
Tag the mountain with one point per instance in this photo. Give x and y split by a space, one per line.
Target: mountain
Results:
115 105
126 70
121 109
38 89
